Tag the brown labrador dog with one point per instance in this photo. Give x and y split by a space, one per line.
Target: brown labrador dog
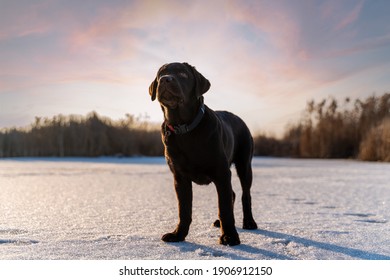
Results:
200 146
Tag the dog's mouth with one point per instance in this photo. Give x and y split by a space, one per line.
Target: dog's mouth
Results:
169 99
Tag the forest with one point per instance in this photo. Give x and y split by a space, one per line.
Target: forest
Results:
330 128
356 129
78 136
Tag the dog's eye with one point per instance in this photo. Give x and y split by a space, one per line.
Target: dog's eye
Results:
183 75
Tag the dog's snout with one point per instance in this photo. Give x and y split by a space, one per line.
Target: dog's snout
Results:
166 79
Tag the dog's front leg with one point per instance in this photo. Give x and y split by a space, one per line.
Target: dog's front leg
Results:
183 188
225 205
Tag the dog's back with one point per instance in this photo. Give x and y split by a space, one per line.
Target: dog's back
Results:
243 141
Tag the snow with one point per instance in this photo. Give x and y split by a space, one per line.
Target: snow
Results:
118 208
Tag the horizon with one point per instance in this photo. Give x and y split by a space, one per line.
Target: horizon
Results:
265 60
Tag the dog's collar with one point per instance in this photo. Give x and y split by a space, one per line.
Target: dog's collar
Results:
185 128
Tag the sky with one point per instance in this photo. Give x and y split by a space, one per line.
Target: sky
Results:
265 59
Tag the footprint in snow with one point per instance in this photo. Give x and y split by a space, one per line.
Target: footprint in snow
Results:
310 203
207 253
13 231
284 242
329 207
368 215
361 215
17 242
373 221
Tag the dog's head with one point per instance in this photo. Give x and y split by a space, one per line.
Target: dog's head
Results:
177 85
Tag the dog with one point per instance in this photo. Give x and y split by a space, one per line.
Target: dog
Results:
200 145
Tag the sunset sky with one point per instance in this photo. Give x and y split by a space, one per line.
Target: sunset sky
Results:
264 59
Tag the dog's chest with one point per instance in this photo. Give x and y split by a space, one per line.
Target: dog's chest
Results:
188 163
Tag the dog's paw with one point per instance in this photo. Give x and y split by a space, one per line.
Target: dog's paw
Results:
230 240
217 223
172 237
249 224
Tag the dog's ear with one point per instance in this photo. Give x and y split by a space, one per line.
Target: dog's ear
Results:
153 89
202 85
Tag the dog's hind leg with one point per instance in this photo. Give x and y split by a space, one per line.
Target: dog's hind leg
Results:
244 171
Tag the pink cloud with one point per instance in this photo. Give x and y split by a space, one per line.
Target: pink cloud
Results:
351 17
281 48
19 20
270 20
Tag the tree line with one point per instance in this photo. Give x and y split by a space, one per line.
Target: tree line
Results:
358 129
79 136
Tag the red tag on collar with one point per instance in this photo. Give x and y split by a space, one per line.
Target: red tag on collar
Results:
170 127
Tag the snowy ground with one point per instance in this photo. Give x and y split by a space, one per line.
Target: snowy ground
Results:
118 209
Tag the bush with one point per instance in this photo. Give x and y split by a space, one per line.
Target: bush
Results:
376 144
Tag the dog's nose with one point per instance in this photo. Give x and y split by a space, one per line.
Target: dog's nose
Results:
166 79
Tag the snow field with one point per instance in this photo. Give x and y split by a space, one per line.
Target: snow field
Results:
110 208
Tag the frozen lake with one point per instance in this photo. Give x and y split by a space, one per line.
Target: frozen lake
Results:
108 208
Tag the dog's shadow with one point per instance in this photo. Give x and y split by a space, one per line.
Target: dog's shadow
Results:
287 238
210 252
